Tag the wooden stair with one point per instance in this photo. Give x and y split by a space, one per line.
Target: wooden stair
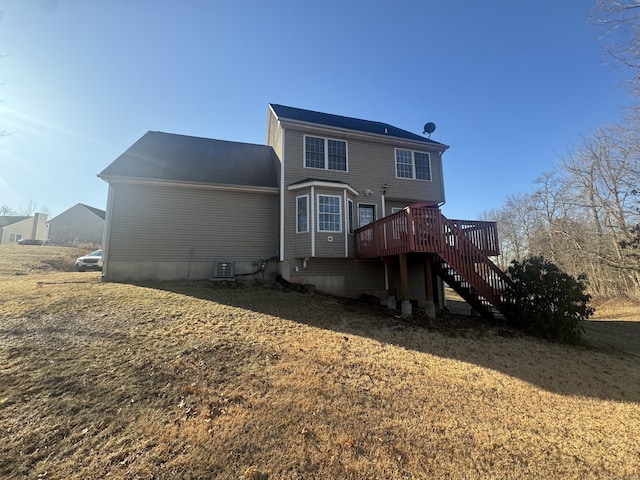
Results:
463 288
459 251
471 273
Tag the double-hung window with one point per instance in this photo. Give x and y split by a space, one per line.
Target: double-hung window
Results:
325 153
414 165
302 214
329 213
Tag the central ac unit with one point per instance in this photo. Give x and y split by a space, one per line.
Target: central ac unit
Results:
222 270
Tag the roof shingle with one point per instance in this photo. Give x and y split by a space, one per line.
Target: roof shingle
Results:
338 121
182 158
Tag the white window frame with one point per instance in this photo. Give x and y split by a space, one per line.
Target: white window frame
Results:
326 153
306 200
413 164
339 222
15 237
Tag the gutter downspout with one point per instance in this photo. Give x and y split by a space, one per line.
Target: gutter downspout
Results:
282 200
312 222
386 268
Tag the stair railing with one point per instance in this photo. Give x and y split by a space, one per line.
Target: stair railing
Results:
442 236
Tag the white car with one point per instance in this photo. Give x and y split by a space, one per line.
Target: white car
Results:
91 261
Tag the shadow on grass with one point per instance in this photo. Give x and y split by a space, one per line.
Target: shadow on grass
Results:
601 367
614 336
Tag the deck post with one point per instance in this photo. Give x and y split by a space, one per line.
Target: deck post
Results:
390 271
430 306
404 279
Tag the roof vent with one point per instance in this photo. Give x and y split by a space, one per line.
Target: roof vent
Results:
222 270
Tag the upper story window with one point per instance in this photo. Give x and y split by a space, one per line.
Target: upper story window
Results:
325 153
410 164
329 213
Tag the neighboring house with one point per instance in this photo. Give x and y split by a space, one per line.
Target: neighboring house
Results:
15 228
313 205
78 224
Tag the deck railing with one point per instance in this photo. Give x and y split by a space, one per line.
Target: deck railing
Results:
464 246
421 230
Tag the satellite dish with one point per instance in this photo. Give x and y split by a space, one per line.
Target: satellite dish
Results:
429 128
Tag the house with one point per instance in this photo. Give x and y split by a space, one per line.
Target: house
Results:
339 202
15 228
78 224
180 206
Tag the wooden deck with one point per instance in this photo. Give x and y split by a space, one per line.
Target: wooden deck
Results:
460 251
422 230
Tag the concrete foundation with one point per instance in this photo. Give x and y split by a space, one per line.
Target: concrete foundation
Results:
430 309
391 302
406 309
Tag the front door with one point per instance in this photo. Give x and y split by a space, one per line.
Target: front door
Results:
366 214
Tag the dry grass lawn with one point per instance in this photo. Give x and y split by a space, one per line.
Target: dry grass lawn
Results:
249 381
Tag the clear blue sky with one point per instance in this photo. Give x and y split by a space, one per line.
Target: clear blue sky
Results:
511 85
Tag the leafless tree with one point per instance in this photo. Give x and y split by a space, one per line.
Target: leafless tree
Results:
588 211
517 221
28 209
619 21
6 210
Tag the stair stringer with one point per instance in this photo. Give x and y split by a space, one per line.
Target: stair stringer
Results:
471 273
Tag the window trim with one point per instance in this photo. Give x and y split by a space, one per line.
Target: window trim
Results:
306 200
339 222
413 164
326 153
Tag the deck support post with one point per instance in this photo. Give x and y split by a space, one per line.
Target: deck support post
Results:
390 271
430 306
404 279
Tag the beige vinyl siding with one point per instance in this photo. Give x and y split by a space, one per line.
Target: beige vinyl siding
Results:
371 164
32 227
330 244
152 224
274 135
302 245
78 224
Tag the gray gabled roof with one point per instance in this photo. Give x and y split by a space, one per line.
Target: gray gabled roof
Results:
181 158
348 123
95 211
7 220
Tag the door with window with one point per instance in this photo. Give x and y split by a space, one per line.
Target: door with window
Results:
366 214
